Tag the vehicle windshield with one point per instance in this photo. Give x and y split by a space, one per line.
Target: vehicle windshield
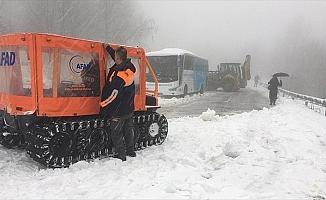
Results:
165 68
230 67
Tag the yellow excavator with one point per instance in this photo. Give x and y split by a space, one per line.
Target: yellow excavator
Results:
230 76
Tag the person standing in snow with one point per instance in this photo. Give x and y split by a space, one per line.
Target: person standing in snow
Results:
117 102
256 79
273 85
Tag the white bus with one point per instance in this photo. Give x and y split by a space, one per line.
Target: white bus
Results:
179 72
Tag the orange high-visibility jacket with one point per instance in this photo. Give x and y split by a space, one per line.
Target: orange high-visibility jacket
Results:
121 78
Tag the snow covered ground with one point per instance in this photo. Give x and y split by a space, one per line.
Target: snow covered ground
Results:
275 153
167 102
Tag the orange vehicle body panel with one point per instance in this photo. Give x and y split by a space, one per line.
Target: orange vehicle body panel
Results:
55 105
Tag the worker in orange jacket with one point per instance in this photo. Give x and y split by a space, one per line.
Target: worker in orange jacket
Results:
117 102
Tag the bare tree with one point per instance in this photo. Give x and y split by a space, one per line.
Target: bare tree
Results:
2 26
105 20
124 24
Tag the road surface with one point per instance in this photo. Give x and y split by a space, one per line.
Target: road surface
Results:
224 103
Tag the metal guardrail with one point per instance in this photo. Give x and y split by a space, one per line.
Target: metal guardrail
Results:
314 103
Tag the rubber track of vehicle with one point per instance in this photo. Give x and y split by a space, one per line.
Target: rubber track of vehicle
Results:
11 140
39 140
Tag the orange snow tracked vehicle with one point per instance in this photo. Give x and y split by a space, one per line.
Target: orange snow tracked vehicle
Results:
50 88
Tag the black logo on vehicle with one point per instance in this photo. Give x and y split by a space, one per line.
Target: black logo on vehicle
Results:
77 65
7 58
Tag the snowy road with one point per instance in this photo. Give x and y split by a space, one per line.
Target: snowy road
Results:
223 103
273 153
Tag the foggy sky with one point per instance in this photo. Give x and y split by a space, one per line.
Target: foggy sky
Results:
280 36
225 31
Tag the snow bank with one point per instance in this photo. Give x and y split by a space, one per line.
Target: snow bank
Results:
277 153
164 102
209 115
312 103
169 52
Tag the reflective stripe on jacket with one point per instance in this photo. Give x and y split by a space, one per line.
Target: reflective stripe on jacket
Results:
121 78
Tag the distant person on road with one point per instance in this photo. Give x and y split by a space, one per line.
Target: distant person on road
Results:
256 80
273 85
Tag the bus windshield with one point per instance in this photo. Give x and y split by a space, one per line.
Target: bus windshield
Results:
165 68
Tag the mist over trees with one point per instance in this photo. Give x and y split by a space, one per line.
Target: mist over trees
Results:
302 55
2 25
105 20
297 50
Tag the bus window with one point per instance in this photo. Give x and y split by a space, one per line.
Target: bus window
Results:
189 63
165 68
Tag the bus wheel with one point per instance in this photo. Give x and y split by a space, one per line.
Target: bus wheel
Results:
201 91
185 90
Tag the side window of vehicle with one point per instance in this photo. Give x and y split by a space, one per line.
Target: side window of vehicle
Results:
136 61
68 73
15 73
79 74
47 71
189 63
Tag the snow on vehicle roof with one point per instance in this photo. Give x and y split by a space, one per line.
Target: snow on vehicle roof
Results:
170 52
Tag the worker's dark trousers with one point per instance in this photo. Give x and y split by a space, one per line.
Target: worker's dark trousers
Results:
122 134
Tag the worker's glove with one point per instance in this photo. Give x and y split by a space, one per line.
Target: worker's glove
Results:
106 45
107 101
